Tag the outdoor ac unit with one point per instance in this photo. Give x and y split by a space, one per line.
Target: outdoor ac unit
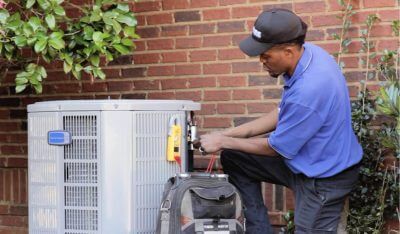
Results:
99 166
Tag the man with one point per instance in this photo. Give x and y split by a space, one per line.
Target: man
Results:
311 147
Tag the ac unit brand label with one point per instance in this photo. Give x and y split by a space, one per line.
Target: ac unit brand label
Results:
59 138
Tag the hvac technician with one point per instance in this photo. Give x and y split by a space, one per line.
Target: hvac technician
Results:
311 148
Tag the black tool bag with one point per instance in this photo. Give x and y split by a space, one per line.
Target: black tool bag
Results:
200 203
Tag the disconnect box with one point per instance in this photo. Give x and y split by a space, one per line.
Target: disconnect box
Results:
99 166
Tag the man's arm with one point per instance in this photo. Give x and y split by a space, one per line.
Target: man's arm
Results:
215 142
259 126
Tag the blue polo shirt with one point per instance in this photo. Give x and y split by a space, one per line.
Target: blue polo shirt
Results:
314 131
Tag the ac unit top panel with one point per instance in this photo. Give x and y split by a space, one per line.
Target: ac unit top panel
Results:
114 105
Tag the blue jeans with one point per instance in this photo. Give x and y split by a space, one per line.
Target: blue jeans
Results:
318 201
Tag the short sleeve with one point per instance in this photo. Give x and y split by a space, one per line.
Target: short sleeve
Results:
297 124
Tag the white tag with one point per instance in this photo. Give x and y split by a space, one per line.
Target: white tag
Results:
256 33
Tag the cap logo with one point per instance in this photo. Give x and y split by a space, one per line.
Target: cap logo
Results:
256 33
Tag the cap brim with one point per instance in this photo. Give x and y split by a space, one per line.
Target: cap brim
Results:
252 47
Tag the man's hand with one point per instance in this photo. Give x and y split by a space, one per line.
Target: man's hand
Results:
212 142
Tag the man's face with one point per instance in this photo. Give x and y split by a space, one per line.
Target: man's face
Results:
275 61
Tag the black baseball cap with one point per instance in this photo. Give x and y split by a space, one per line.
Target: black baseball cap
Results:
272 27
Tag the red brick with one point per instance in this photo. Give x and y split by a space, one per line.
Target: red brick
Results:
389 15
19 210
229 54
5 114
175 4
361 17
380 3
146 58
387 44
2 184
232 81
7 185
160 44
13 221
203 55
216 14
17 162
221 68
141 20
160 71
236 26
325 20
203 3
173 84
381 30
148 32
180 30
272 93
94 87
202 82
140 45
246 67
162 95
355 47
3 208
188 95
246 11
157 19
24 186
112 73
251 94
191 69
236 39
134 72
260 107
211 41
185 43
206 109
315 35
216 122
217 95
202 29
15 181
334 5
309 7
9 126
11 150
187 16
287 6
171 57
350 62
120 86
230 2
330 47
63 88
146 84
231 108
142 6
353 91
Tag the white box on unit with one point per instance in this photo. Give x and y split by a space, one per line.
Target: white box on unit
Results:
99 166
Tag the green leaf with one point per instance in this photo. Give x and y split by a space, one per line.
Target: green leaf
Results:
20 88
3 16
26 28
30 3
58 10
38 88
31 41
88 33
97 37
57 43
67 67
20 41
129 31
44 4
116 26
14 24
42 71
99 73
57 35
21 80
122 49
95 60
35 23
40 45
127 19
127 42
123 7
51 21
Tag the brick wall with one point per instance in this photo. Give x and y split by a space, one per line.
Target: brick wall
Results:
188 50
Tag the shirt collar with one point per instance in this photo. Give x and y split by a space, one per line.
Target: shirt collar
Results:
301 67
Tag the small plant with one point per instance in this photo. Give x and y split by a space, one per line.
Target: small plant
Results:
105 30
